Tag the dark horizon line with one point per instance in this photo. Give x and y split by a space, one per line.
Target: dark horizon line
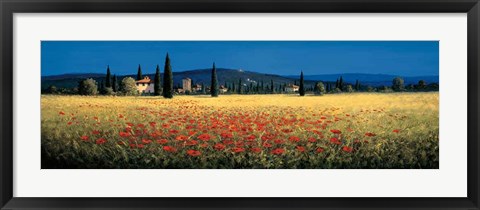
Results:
286 75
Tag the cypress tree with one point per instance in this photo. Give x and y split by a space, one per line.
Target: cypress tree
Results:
315 88
240 86
167 79
157 90
139 73
301 89
114 83
214 82
357 85
273 87
108 78
262 88
337 84
340 83
233 87
203 89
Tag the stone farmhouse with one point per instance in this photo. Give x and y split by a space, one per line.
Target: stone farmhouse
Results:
145 85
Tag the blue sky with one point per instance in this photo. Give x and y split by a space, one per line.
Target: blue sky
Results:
405 58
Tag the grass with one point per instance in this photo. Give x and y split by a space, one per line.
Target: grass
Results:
360 130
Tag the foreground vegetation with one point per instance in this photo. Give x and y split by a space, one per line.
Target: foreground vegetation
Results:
358 130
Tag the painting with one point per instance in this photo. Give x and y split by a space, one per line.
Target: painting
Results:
240 104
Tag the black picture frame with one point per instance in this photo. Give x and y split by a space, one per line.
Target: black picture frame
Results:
9 7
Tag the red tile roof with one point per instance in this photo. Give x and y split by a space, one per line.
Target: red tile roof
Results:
144 80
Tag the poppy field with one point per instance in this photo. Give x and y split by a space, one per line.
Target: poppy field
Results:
334 131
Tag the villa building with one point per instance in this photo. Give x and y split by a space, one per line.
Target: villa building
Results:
290 88
187 84
145 85
197 88
222 89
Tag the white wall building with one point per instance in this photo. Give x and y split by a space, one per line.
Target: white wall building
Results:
145 85
291 88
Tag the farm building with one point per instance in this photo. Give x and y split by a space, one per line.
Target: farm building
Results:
187 84
197 88
290 88
145 85
223 89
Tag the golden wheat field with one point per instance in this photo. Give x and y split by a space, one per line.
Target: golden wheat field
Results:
359 130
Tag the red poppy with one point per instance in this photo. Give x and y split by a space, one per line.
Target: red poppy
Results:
124 134
169 149
251 137
300 149
238 149
204 137
152 124
133 146
219 146
256 150
61 113
312 140
193 153
396 131
294 139
162 141
370 134
191 143
335 140
146 141
278 151
101 141
173 131
140 146
319 150
181 138
84 138
95 132
226 135
69 123
336 131
279 141
347 149
267 145
228 142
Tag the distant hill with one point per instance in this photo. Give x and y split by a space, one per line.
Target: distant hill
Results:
369 79
198 76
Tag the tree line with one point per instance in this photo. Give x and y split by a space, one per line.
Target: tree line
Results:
127 86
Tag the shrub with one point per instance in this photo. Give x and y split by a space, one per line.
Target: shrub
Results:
128 87
87 87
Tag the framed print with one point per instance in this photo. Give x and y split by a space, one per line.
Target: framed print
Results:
239 105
